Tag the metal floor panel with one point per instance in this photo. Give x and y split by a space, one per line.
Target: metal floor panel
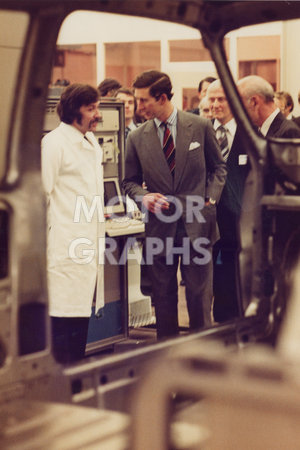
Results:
52 426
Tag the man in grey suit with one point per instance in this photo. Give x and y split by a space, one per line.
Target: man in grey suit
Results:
177 155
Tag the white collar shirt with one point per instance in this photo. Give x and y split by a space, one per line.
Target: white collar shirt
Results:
230 129
172 125
132 126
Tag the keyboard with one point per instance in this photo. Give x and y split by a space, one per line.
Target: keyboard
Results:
123 225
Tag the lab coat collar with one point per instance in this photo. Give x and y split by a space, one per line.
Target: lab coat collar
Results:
73 134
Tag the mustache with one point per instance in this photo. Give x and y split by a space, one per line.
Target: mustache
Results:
95 120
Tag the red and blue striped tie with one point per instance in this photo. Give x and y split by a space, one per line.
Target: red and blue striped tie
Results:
169 148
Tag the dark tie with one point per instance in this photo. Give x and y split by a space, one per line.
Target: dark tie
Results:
223 142
169 148
127 130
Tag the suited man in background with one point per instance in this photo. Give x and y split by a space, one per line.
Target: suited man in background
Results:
178 157
205 109
127 97
202 89
108 87
258 97
285 103
226 250
297 119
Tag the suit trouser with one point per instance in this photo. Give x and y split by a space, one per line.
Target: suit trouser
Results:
226 266
69 336
198 279
226 284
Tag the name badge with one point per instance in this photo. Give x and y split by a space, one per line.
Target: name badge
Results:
243 160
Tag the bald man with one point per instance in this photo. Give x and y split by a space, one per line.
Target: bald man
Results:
258 97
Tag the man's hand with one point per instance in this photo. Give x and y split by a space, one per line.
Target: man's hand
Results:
155 202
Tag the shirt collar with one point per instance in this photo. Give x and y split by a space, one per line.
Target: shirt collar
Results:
230 125
171 120
132 126
267 123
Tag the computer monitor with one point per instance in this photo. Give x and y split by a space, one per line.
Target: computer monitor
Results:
113 202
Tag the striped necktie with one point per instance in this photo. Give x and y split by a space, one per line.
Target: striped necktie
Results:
223 142
169 148
127 130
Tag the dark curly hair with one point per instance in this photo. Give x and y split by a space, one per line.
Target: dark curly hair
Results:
71 100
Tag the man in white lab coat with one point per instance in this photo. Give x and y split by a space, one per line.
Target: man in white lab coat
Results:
72 176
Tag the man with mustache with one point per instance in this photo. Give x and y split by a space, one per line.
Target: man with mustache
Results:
72 176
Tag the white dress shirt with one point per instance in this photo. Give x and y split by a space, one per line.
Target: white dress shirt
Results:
172 125
230 129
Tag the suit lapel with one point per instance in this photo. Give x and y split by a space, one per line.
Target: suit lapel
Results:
183 140
155 152
158 160
235 149
275 125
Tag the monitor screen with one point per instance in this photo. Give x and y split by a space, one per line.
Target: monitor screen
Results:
113 202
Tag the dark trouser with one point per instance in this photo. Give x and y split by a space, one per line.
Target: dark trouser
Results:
69 335
226 266
226 285
198 279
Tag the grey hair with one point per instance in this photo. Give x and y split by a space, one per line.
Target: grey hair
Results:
255 85
214 85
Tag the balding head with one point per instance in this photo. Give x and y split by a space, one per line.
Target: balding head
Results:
255 85
258 97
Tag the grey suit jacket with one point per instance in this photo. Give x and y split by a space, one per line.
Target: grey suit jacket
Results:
200 172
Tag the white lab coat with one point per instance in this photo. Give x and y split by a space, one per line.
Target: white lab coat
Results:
72 176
